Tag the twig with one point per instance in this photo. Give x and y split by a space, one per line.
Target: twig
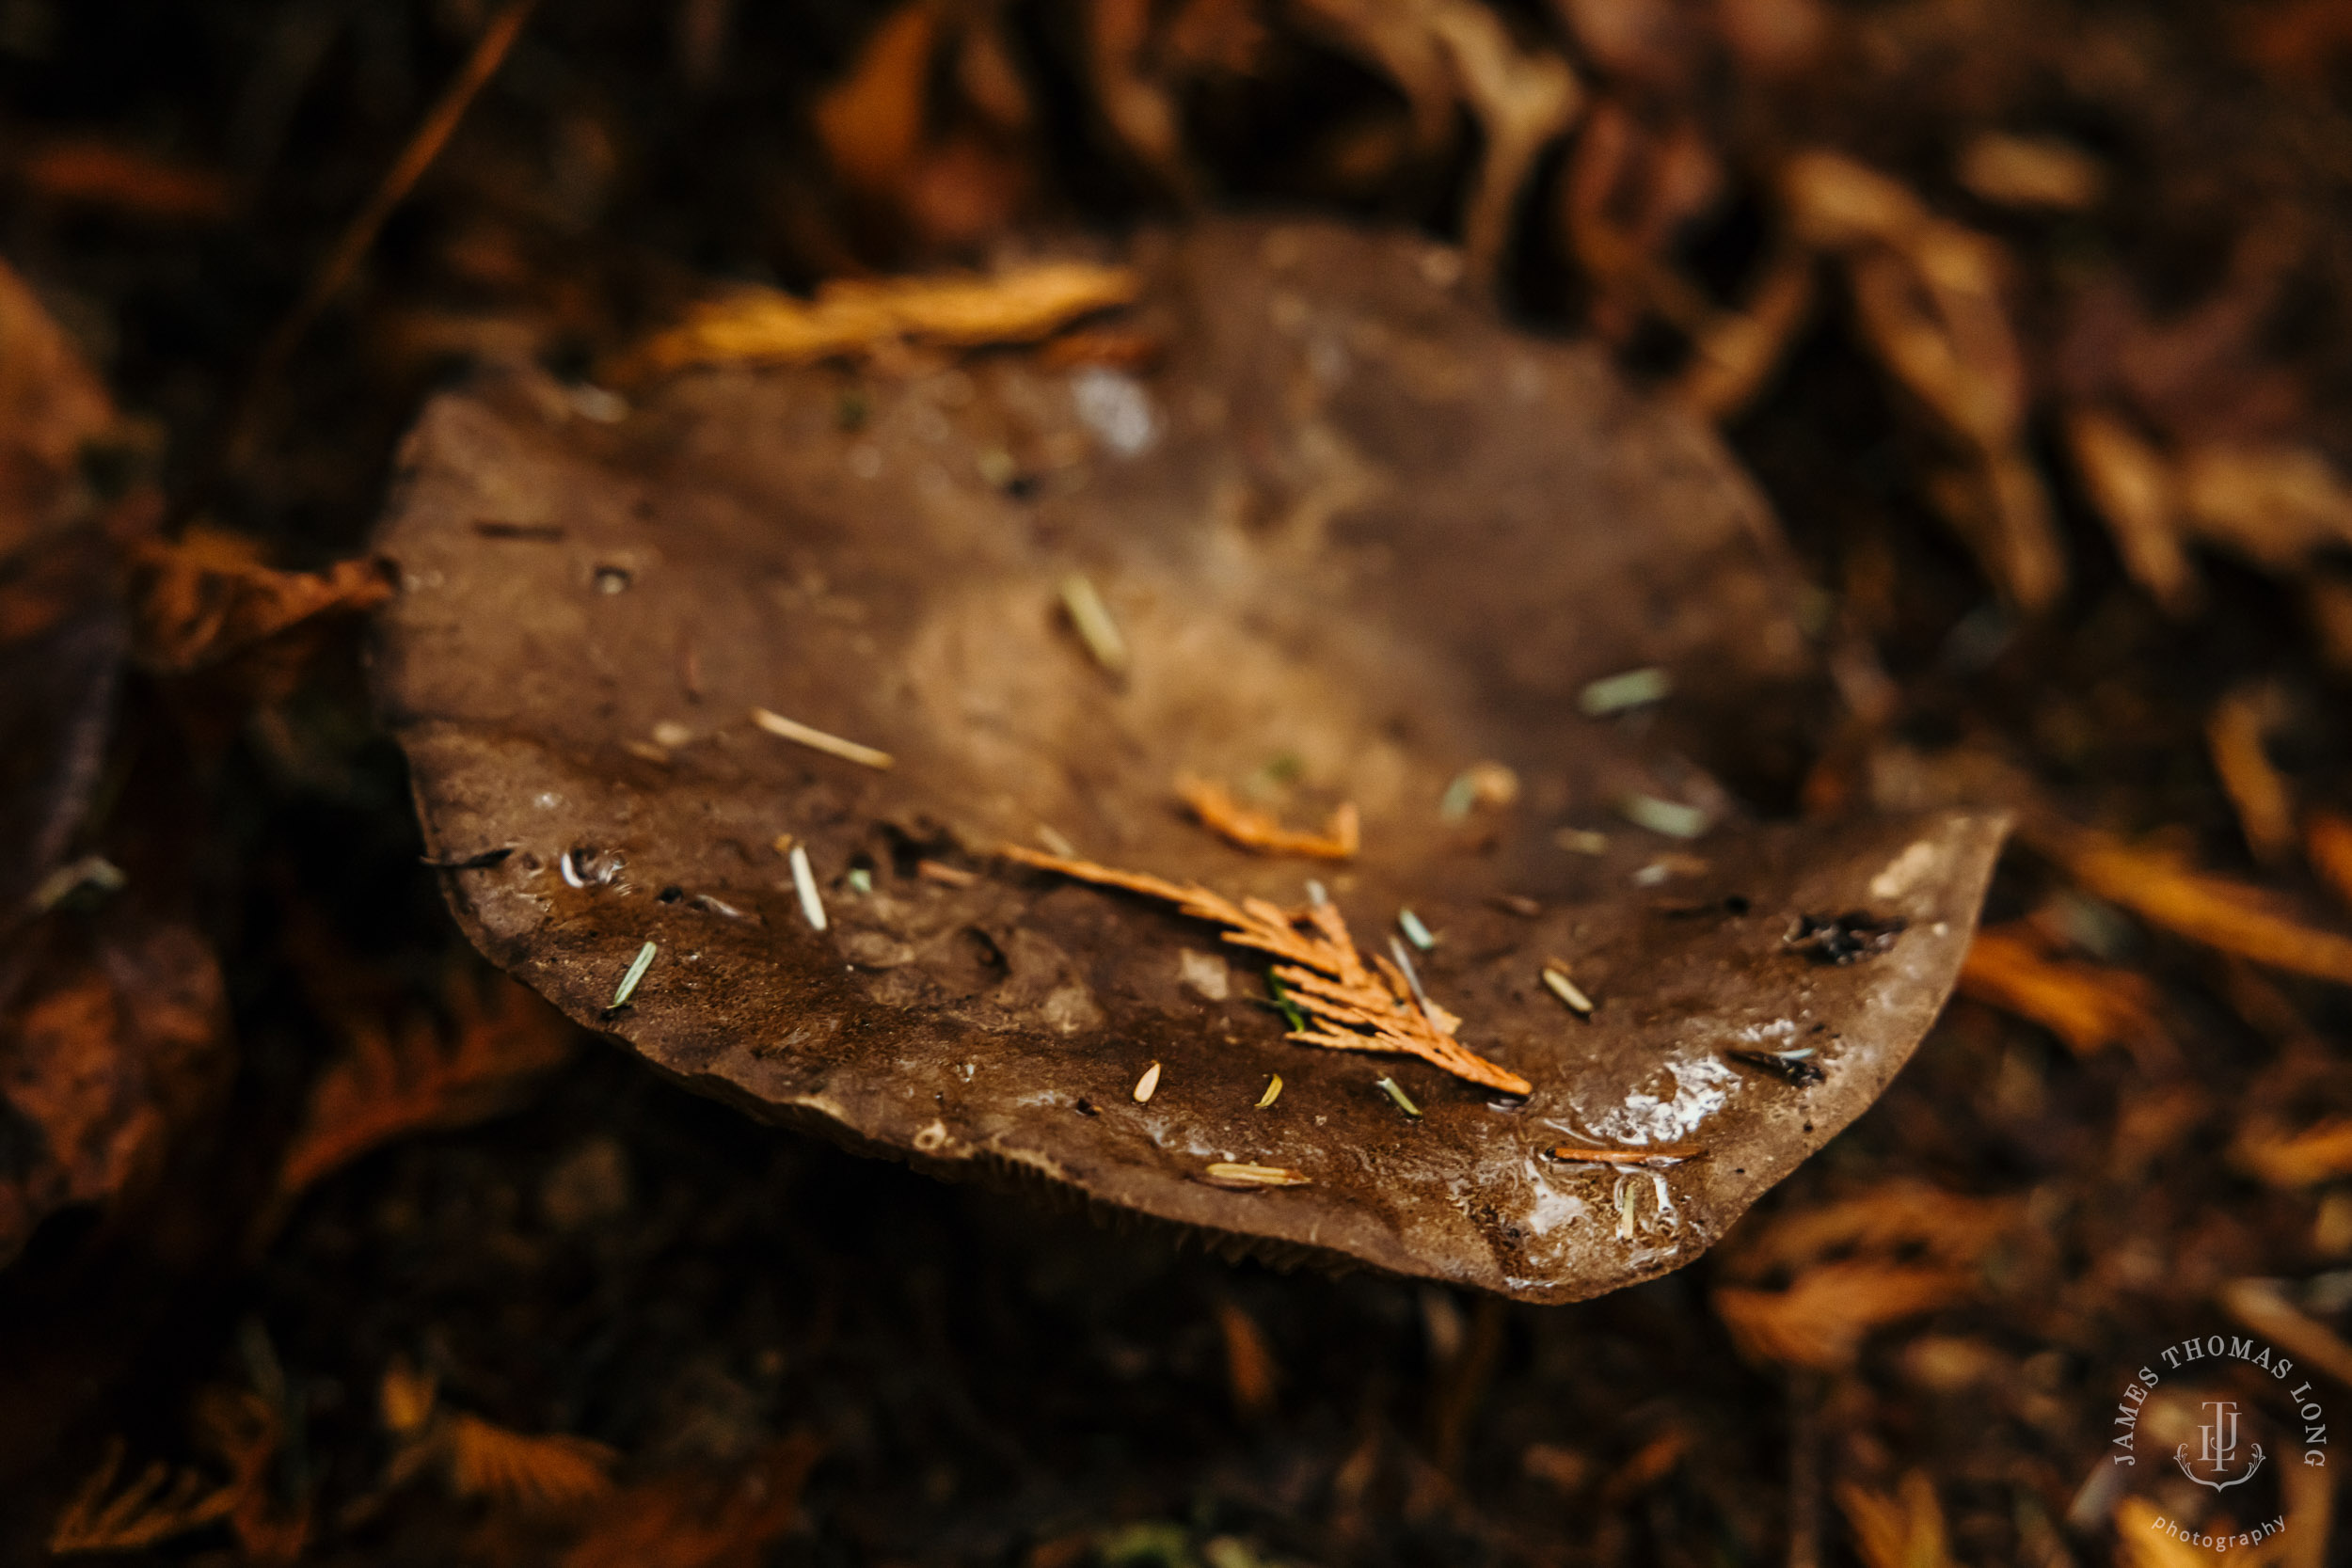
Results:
358 235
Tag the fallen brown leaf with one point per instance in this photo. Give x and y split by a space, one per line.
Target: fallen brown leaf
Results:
52 405
1927 294
1908 1217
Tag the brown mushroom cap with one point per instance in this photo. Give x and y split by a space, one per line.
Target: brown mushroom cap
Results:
1351 530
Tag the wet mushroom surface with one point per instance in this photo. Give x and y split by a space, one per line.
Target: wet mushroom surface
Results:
1349 541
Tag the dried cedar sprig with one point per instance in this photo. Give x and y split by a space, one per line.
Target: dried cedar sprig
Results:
1252 828
1355 1008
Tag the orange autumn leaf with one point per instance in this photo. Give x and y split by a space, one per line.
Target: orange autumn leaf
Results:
394 1082
2087 1005
1252 828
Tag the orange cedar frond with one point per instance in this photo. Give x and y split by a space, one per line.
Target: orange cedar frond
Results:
1821 1320
695 1521
1325 973
1256 830
391 1085
160 1504
2231 916
2087 1005
556 1471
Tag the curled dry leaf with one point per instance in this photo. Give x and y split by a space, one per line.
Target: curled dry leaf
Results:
1351 521
206 597
769 326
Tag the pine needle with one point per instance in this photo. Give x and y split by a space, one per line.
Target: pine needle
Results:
1244 1177
817 741
1653 1154
1252 828
1326 976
